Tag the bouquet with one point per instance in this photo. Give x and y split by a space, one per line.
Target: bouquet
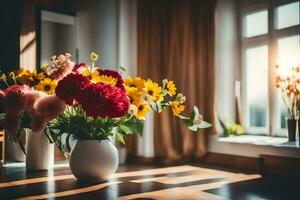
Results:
27 98
289 86
101 105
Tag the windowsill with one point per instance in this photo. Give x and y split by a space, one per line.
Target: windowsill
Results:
260 140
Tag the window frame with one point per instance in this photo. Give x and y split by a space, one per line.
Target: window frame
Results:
270 39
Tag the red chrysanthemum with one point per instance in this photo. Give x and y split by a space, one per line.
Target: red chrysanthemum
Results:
113 74
69 87
104 100
78 68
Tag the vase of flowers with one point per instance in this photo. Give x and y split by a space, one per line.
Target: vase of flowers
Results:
289 86
101 107
101 163
27 102
40 153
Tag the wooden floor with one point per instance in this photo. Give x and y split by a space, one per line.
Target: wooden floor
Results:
151 182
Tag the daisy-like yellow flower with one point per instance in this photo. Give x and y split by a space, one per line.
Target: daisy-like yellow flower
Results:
177 107
37 76
138 83
134 95
107 79
142 110
24 76
94 76
47 85
154 90
171 88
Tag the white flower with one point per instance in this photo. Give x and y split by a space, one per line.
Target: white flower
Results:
180 98
165 82
132 109
146 98
198 119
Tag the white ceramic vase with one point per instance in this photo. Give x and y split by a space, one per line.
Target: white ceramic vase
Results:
40 153
93 160
122 151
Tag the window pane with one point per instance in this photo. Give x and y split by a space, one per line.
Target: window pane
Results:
287 15
256 24
257 86
288 55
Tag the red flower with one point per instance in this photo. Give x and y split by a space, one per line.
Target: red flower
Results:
19 88
14 98
114 74
79 67
69 87
104 100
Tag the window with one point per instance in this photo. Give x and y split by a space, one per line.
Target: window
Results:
256 24
270 35
287 15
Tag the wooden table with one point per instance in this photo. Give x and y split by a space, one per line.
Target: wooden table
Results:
2 141
190 182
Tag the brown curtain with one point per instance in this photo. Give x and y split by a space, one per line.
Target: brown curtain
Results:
176 41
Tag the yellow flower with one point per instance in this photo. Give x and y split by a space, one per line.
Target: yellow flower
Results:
171 88
94 56
21 71
94 76
142 110
138 83
24 76
134 95
38 76
47 85
177 108
154 90
107 79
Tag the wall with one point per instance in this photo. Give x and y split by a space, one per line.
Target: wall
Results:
127 57
97 31
226 58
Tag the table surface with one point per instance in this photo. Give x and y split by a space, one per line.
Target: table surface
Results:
191 181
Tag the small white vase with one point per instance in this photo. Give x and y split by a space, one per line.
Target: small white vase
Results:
40 153
122 151
15 152
93 160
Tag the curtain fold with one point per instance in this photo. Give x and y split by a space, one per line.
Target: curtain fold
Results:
176 41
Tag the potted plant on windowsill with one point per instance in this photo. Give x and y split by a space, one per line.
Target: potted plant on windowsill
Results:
101 106
289 87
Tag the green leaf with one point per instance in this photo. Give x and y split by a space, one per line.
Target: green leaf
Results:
22 146
120 137
194 113
159 107
68 143
132 127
